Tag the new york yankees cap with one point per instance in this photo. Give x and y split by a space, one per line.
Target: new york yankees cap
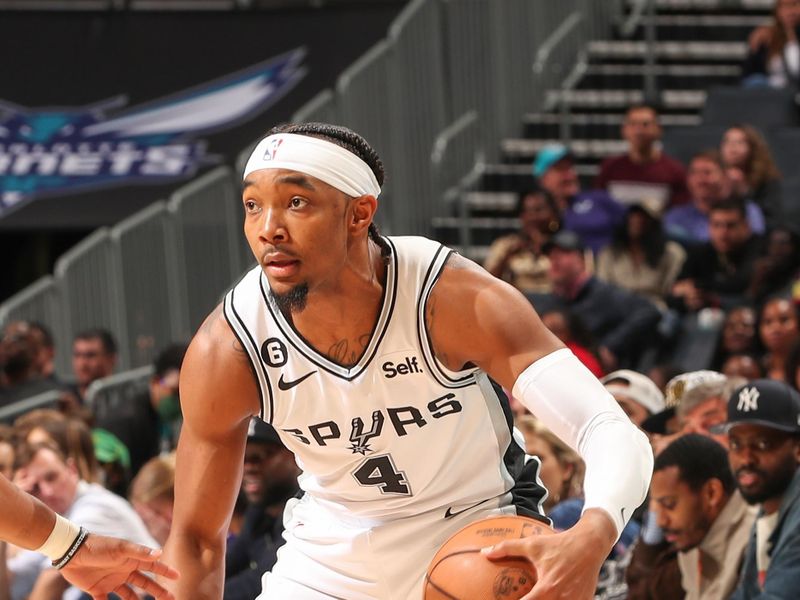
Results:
764 402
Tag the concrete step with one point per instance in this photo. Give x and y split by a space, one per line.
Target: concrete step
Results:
688 27
667 51
517 177
593 125
615 100
585 150
728 7
672 76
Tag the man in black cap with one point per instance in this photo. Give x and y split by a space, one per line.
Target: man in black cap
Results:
269 480
620 321
764 452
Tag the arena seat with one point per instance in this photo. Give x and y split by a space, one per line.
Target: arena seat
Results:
684 142
762 107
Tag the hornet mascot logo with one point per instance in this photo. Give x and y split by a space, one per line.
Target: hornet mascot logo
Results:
52 152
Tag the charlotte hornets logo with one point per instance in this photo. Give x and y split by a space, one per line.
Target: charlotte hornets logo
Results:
49 152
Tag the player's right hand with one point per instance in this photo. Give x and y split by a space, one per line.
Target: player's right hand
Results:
104 565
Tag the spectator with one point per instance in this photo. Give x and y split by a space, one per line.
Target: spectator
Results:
72 437
150 420
517 257
570 329
592 215
746 366
763 426
792 376
561 468
42 471
619 320
703 403
18 350
562 472
638 396
708 185
94 356
751 170
774 57
700 511
778 268
737 336
778 329
640 258
114 461
718 272
45 350
644 172
153 495
269 481
6 451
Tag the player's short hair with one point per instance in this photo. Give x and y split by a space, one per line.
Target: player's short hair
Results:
351 141
699 459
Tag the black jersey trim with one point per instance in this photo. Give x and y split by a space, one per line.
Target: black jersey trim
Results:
388 302
252 351
528 492
428 355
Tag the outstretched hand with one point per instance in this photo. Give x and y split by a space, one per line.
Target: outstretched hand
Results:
567 563
104 565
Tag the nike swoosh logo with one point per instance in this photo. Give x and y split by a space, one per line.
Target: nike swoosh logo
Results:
287 385
450 513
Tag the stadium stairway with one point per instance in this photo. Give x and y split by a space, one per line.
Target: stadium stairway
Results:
701 44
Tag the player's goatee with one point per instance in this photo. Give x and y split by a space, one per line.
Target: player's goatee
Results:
292 301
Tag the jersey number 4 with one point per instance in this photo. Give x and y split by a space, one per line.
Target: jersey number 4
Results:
380 471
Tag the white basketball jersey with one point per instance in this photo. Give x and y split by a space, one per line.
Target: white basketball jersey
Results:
396 434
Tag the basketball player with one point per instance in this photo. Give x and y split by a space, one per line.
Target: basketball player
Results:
372 358
97 564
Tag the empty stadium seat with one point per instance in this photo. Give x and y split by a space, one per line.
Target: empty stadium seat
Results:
785 146
762 107
684 142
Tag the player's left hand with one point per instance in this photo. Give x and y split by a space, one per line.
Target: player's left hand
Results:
104 565
567 563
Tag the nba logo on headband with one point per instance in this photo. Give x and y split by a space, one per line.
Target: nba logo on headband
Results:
272 148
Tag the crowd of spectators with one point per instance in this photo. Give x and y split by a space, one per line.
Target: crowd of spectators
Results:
110 465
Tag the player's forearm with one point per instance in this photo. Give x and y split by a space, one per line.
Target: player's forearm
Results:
24 521
201 564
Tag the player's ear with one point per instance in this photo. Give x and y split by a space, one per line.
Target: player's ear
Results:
362 212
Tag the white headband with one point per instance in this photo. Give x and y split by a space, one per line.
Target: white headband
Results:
324 160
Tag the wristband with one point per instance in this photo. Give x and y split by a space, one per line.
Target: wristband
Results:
62 562
60 540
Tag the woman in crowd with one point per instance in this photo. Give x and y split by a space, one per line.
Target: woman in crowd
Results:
72 437
562 469
774 57
751 169
153 495
562 474
778 329
640 258
778 268
517 257
737 336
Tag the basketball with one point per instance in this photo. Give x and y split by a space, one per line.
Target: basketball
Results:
459 571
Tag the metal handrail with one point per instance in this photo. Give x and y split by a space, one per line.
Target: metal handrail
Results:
442 141
555 38
15 409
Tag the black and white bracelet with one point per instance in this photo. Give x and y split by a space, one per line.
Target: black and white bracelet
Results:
62 562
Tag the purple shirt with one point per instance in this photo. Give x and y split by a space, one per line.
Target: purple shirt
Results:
687 224
594 216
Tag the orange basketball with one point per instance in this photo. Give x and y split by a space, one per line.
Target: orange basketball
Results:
460 572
